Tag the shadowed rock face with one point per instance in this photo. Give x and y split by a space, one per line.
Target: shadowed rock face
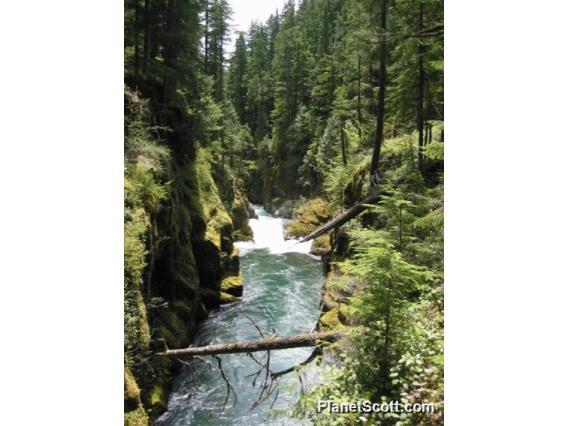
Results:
286 209
208 259
189 241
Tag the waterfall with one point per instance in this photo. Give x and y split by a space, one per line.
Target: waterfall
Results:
268 234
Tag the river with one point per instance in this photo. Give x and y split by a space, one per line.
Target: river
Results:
282 285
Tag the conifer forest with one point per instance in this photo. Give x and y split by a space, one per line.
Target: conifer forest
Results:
284 213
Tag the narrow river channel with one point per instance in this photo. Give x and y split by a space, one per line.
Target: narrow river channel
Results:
281 292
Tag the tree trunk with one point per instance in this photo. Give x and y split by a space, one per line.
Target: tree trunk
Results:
385 358
420 97
219 82
359 116
400 227
343 217
381 106
343 145
206 35
136 43
146 42
273 343
170 53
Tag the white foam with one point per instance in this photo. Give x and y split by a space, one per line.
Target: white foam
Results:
268 232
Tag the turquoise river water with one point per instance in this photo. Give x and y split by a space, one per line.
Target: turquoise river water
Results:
282 285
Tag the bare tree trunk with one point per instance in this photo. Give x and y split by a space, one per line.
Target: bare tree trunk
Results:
400 227
385 358
381 106
420 100
220 86
274 343
206 35
146 42
359 116
136 42
343 217
170 53
222 151
343 144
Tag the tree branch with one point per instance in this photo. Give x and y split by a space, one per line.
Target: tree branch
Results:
229 386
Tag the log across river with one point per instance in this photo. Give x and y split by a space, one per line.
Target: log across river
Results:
248 346
282 285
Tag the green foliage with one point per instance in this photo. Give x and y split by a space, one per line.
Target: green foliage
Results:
146 160
434 150
398 353
394 274
237 74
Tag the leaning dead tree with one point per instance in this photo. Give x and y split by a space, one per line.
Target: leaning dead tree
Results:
343 217
247 346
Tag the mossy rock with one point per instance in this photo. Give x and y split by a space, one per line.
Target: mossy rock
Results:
157 398
137 417
343 313
329 301
243 235
214 212
228 298
240 216
321 246
174 329
333 294
131 389
308 217
334 319
233 285
329 321
134 413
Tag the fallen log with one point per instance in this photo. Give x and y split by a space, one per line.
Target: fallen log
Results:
343 217
272 343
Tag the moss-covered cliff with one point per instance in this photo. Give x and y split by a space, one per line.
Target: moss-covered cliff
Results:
178 249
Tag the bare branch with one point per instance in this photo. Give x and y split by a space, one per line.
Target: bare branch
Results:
313 355
253 322
227 382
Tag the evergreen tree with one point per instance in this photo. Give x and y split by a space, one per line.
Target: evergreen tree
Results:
218 29
237 75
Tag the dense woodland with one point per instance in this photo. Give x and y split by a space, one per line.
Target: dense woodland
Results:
322 105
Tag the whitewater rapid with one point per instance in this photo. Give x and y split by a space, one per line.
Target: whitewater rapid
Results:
268 233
